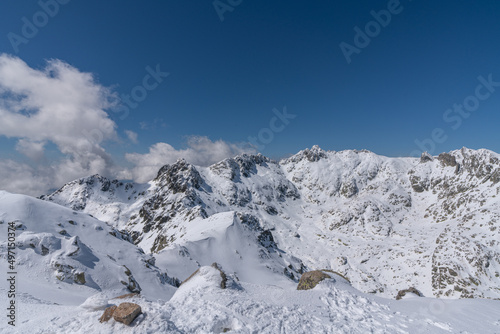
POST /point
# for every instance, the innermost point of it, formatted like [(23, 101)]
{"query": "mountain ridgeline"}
[(386, 224)]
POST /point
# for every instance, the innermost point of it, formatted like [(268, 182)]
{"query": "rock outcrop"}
[(310, 279)]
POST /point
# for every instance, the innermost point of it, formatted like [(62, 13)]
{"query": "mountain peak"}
[(313, 154)]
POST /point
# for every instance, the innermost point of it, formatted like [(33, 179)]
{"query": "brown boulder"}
[(127, 312), (310, 279), (108, 313)]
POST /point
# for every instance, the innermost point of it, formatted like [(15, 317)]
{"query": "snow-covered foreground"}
[(50, 298), (200, 306)]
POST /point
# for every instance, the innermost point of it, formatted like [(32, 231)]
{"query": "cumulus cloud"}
[(60, 106), (21, 178), (32, 149), (132, 136), (201, 151), (57, 104)]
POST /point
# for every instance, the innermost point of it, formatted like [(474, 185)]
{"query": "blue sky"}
[(226, 76)]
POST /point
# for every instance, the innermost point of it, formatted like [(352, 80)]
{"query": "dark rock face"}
[(179, 177), (223, 276), (418, 184), (447, 159), (131, 283), (175, 192), (240, 166), (264, 236), (426, 157), (248, 164)]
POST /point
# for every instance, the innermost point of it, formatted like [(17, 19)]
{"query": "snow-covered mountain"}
[(386, 224), (61, 251), (376, 226)]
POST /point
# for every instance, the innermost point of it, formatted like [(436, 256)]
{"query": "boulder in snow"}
[(310, 279), (412, 290), (126, 312)]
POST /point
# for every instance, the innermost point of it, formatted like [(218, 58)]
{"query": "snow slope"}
[(200, 306), (261, 297), (66, 256)]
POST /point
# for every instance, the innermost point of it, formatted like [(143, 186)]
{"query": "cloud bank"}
[(201, 151), (57, 104)]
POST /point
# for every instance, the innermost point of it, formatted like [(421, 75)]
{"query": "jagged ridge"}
[(385, 223)]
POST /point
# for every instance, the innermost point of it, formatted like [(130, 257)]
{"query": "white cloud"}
[(132, 136), (21, 178), (32, 149), (201, 151), (57, 104)]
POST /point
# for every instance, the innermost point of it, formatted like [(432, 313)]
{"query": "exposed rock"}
[(223, 283), (402, 293), (44, 251), (79, 278), (179, 177), (128, 295), (314, 154), (66, 272), (223, 276), (108, 313), (126, 312), (418, 184), (447, 159), (426, 157), (160, 243), (347, 195), (349, 188), (310, 279), (266, 240), (191, 276), (248, 163), (132, 284)]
